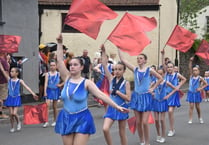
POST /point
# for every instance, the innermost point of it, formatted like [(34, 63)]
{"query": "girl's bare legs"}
[(122, 132), (11, 117), (163, 126), (48, 106), (75, 139), (157, 123), (55, 109), (106, 130), (145, 117), (139, 125), (197, 105), (191, 108), (171, 117)]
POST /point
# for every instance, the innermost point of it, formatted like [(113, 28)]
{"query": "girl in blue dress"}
[(13, 101), (141, 99), (120, 94), (206, 89), (196, 84), (177, 80), (102, 82), (75, 123), (160, 107), (52, 89)]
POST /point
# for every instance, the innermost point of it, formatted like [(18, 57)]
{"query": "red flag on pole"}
[(129, 35), (88, 15), (132, 124), (35, 114), (9, 43), (181, 39), (203, 51)]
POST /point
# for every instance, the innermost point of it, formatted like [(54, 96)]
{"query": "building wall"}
[(76, 42), (21, 18)]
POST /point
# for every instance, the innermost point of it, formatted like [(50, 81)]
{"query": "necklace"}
[(70, 96)]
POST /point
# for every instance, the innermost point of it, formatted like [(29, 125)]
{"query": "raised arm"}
[(163, 60), (190, 65), (104, 64), (60, 63), (130, 66), (5, 73)]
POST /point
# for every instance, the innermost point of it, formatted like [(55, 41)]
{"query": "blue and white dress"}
[(75, 116), (207, 80), (14, 98), (141, 99), (159, 104), (53, 91), (173, 100), (113, 113), (194, 96)]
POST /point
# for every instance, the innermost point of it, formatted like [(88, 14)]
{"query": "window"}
[(207, 24), (66, 28)]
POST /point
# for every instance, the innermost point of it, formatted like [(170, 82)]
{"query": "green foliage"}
[(188, 12)]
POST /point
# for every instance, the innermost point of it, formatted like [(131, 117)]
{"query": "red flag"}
[(88, 15), (132, 124), (35, 114), (203, 51), (9, 43), (129, 35), (151, 120), (181, 39)]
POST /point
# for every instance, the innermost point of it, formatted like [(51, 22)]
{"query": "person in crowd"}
[(141, 99), (196, 85), (160, 107), (75, 123), (3, 83), (52, 89), (120, 94), (87, 66), (69, 56), (206, 89), (43, 68), (177, 80), (64, 52), (13, 100)]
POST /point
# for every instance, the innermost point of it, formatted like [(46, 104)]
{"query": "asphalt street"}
[(186, 134)]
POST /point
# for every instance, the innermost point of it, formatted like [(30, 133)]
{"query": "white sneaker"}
[(171, 133), (201, 121), (190, 122), (53, 124), (19, 126), (142, 143), (12, 130), (162, 140), (158, 138), (45, 124)]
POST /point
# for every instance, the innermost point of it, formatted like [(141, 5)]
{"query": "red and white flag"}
[(87, 16)]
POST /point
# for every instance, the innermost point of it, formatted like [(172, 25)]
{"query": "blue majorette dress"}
[(14, 98), (207, 80), (75, 116), (194, 96), (159, 104), (53, 92), (141, 99), (173, 100), (113, 113)]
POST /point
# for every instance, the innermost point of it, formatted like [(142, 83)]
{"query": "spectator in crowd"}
[(3, 83), (87, 66)]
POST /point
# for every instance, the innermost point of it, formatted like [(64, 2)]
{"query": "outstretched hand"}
[(122, 109), (59, 38)]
